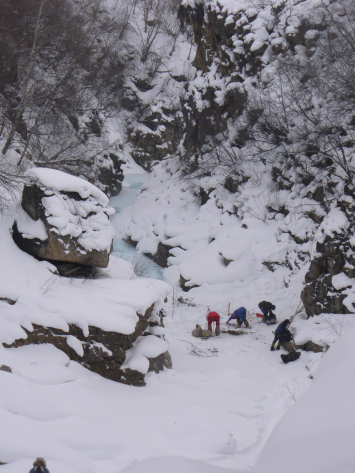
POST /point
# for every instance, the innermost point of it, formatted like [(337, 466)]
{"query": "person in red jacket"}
[(213, 317)]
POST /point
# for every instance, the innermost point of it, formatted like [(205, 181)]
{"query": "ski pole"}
[(293, 317)]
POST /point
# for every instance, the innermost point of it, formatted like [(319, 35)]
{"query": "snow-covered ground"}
[(229, 403), (217, 406)]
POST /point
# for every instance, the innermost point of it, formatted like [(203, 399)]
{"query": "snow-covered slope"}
[(317, 433), (210, 245), (218, 404)]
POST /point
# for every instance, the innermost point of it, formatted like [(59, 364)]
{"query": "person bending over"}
[(241, 316), (282, 336), (213, 317), (267, 310)]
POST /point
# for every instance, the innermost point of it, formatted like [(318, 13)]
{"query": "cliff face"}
[(252, 119), (233, 47), (233, 51)]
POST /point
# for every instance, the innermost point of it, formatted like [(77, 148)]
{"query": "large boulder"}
[(66, 219)]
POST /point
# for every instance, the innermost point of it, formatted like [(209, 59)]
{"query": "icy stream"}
[(121, 248)]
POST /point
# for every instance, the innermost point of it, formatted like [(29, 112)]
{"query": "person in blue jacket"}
[(282, 335), (241, 316), (39, 466)]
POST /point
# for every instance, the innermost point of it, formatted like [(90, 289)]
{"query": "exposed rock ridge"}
[(101, 352)]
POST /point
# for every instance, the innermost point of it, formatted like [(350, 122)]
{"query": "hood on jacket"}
[(40, 459)]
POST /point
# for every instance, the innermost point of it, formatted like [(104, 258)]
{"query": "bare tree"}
[(64, 88)]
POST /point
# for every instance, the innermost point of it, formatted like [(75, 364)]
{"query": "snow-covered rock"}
[(70, 219)]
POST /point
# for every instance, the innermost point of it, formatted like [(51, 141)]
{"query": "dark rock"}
[(162, 255), (226, 261), (153, 145), (318, 295), (73, 270), (232, 184), (62, 249), (104, 352), (143, 84), (183, 284), (5, 368), (160, 362), (9, 301), (311, 346), (132, 378), (130, 101), (179, 78), (204, 197), (270, 265), (111, 177)]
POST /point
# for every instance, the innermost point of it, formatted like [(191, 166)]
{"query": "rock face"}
[(68, 222), (110, 175), (160, 257), (154, 132), (101, 352), (237, 46), (160, 362), (159, 136), (319, 295), (311, 346)]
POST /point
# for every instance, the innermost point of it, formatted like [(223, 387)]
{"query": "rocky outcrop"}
[(157, 136), (160, 256), (232, 49), (160, 362), (184, 284), (154, 131), (110, 175), (311, 346), (319, 295), (329, 282), (62, 225), (100, 351)]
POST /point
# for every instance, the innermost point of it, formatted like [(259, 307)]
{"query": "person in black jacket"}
[(267, 310), (282, 335), (39, 466)]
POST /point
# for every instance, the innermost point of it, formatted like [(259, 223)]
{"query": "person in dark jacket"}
[(39, 466), (267, 310), (213, 317), (241, 316), (282, 335)]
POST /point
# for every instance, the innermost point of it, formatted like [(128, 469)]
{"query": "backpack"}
[(290, 357)]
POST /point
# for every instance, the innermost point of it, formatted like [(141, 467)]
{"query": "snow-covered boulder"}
[(66, 219), (106, 352)]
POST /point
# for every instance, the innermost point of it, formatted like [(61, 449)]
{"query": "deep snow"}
[(228, 403), (219, 404)]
